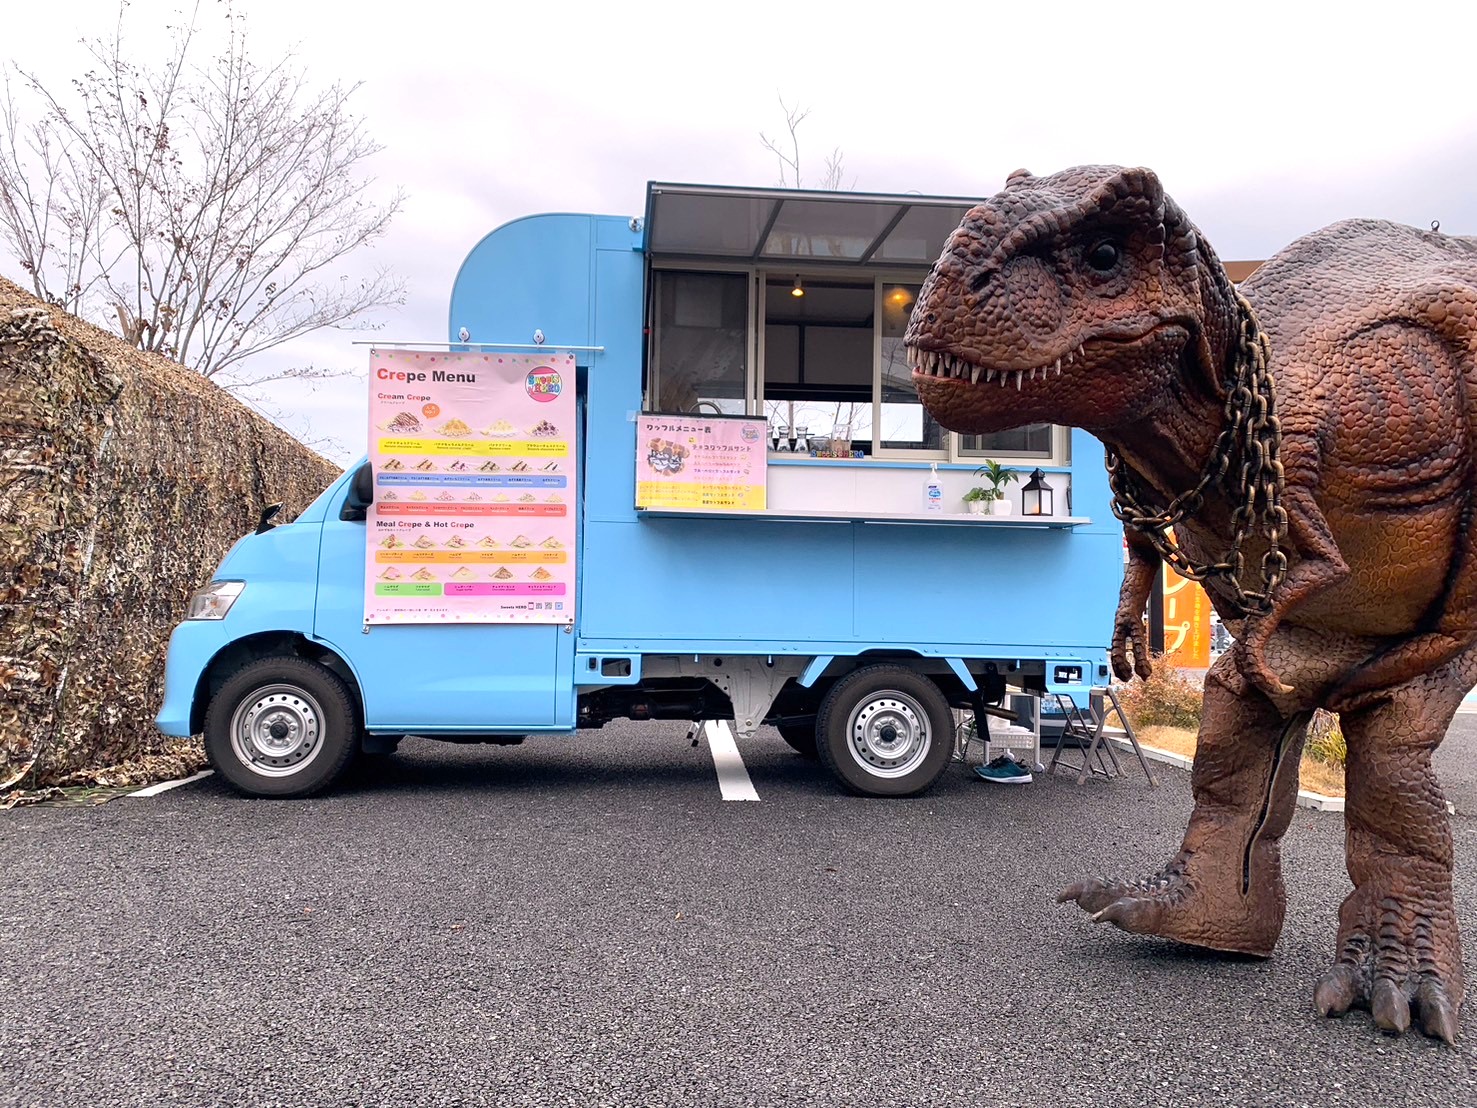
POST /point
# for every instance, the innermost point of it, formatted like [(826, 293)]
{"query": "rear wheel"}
[(885, 730), (282, 727), (801, 736)]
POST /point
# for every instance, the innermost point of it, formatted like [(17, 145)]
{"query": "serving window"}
[(819, 355)]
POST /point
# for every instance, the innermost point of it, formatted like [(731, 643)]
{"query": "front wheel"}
[(282, 727), (885, 730)]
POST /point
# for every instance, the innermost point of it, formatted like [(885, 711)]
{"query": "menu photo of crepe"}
[(500, 498), (425, 542), (425, 465), (392, 542), (541, 574), (551, 543), (456, 542), (419, 494), (444, 495), (463, 574), (519, 467), (391, 495), (487, 542), (502, 429), (553, 498), (474, 497), (551, 467), (455, 429), (489, 466), (403, 424), (543, 429), (390, 574), (503, 574), (423, 574), (521, 542), (393, 464), (458, 466), (527, 498)]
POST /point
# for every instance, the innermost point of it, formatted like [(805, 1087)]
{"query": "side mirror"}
[(361, 494)]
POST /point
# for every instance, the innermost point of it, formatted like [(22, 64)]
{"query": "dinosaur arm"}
[(1319, 566), (1128, 625)]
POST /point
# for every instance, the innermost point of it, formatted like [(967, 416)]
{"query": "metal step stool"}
[(1093, 732)]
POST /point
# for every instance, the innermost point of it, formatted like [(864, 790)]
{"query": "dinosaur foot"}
[(1401, 962), (1172, 904)]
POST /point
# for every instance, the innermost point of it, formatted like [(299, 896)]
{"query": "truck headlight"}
[(214, 600)]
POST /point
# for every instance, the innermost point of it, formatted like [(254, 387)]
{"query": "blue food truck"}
[(866, 602)]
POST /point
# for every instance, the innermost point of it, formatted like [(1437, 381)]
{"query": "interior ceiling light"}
[(797, 290)]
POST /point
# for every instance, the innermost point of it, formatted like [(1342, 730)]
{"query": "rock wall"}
[(124, 478)]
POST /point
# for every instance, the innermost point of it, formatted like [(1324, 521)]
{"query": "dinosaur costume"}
[(1310, 440)]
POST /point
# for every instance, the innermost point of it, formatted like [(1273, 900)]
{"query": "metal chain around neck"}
[(1251, 438)]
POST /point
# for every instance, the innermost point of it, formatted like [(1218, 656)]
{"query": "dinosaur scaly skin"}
[(1088, 298)]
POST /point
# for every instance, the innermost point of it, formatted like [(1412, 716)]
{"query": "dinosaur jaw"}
[(1103, 381)]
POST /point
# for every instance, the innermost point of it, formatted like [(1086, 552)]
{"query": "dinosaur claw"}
[(1078, 890), (1336, 991), (1132, 913), (1390, 1009), (1438, 1016)]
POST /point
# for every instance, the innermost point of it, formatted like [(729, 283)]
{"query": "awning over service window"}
[(757, 226)]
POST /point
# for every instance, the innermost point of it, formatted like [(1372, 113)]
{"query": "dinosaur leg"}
[(1399, 952), (1224, 889)]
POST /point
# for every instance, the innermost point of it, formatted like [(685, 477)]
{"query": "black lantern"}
[(1036, 496)]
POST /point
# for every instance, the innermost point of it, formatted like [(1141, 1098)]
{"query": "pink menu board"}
[(474, 487), (692, 463)]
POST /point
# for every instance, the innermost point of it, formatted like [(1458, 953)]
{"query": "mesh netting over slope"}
[(124, 478)]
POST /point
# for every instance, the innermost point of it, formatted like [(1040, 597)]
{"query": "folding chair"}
[(1096, 737)]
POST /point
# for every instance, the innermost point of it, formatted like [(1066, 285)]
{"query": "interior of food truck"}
[(791, 306)]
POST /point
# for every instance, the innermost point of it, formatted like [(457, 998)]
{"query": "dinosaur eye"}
[(1103, 257)]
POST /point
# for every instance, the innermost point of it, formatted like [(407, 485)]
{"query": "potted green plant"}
[(991, 500)]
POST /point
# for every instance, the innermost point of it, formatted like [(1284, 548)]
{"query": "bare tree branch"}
[(202, 210)]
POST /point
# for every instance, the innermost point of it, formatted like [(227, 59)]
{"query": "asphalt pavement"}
[(585, 921)]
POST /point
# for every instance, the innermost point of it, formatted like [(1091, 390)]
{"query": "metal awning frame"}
[(904, 203)]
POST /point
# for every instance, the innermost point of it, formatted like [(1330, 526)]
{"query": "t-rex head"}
[(1072, 299)]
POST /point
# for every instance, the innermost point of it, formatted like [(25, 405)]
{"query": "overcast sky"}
[(1264, 120)]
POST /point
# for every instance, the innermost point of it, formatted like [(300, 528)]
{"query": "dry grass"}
[(1315, 776)]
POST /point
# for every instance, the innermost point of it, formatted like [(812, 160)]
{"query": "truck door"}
[(429, 678)]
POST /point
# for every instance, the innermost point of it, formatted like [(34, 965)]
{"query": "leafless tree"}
[(201, 210), (789, 153)]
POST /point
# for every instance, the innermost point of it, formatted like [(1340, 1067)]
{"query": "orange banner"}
[(1186, 621)]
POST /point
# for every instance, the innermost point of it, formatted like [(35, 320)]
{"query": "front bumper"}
[(192, 646)]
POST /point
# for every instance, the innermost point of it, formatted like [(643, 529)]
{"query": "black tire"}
[(801, 737), (853, 727), (296, 728)]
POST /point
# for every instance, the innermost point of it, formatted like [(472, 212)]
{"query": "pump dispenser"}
[(933, 490)]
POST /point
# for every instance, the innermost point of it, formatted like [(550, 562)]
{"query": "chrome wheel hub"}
[(277, 730), (888, 734)]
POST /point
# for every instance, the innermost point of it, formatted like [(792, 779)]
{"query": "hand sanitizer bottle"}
[(933, 491)]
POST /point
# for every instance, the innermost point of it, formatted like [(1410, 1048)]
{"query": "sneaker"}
[(1004, 771)]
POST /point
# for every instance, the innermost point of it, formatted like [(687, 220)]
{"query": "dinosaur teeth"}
[(1058, 367), (1018, 380), (974, 375)]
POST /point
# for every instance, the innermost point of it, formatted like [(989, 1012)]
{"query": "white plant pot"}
[(976, 507), (1003, 507)]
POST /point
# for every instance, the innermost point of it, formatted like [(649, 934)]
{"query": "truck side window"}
[(699, 346)]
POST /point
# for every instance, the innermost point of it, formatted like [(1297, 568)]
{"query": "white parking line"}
[(733, 778), (165, 786)]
